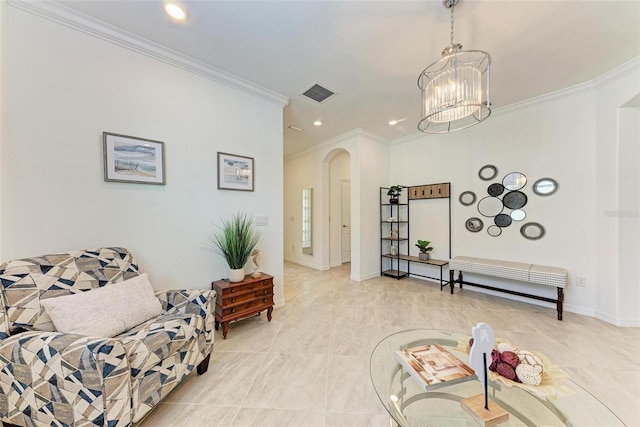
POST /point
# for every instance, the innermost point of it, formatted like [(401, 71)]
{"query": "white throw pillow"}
[(105, 312)]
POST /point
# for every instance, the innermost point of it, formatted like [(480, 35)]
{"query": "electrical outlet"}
[(581, 281)]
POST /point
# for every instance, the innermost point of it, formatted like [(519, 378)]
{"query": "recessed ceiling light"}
[(317, 123), (396, 121), (176, 10)]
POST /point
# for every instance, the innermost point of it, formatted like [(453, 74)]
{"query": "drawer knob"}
[(266, 291), (233, 300), (233, 290), (233, 310), (264, 300)]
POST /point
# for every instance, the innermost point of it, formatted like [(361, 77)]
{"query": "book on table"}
[(433, 366)]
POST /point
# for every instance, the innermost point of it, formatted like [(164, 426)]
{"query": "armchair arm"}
[(52, 378), (191, 301)]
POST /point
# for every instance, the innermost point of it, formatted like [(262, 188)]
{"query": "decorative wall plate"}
[(474, 224), (514, 181), (532, 231), (545, 186), (502, 220), (490, 206), (494, 231), (467, 198), (488, 172), (495, 189), (514, 199)]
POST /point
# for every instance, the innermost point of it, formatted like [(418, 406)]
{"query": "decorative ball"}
[(503, 346), (495, 359), (528, 358), (528, 374), (506, 371), (510, 358)]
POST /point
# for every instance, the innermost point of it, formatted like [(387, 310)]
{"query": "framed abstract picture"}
[(235, 172), (133, 159)]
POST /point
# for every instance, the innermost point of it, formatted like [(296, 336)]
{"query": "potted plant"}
[(394, 194), (424, 247), (236, 241)]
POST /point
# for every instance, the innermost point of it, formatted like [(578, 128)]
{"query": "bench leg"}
[(560, 301), (451, 282)]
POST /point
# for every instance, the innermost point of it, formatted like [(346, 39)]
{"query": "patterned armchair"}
[(58, 379)]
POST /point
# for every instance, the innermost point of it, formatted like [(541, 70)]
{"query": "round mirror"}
[(488, 172), (495, 189), (514, 181), (490, 206), (514, 199), (532, 231), (545, 186), (518, 215), (467, 198), (502, 220), (474, 224), (494, 231)]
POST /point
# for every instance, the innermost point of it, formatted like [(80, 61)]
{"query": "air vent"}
[(318, 93)]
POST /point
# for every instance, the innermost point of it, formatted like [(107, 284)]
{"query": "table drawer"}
[(238, 309), (245, 295)]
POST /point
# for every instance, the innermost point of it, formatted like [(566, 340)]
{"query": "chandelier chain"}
[(453, 6)]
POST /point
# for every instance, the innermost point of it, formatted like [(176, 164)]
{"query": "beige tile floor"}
[(310, 365)]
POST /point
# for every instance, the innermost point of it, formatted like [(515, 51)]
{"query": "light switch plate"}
[(262, 221)]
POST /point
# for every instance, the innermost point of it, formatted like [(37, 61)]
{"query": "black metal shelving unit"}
[(398, 264), (393, 264)]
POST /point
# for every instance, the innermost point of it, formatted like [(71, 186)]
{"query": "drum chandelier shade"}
[(455, 89)]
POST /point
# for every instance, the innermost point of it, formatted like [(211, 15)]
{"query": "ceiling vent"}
[(318, 93)]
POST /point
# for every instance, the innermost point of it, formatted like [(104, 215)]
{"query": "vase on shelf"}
[(394, 250), (423, 256)]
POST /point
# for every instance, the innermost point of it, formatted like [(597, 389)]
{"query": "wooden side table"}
[(236, 301)]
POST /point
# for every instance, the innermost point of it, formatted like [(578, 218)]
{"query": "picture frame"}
[(235, 172), (133, 160)]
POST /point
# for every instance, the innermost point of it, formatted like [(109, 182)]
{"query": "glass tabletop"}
[(409, 405)]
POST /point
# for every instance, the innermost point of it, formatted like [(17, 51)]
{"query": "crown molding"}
[(337, 139), (61, 14), (617, 73)]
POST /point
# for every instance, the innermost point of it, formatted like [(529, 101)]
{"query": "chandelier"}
[(455, 89)]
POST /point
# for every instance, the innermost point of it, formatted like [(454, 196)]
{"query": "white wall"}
[(66, 88), (369, 167), (4, 111), (615, 164)]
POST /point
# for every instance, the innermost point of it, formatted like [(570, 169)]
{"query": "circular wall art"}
[(545, 186), (502, 220), (518, 215), (488, 172), (490, 206), (532, 231), (474, 224), (467, 198), (514, 199), (495, 189), (514, 181), (494, 231)]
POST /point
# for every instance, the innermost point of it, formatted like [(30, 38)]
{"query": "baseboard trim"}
[(306, 264)]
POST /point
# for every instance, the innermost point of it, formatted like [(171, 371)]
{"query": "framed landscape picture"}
[(235, 172), (132, 159)]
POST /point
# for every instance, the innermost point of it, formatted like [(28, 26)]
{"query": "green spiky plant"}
[(236, 240)]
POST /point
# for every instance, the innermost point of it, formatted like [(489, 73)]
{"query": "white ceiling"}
[(371, 52)]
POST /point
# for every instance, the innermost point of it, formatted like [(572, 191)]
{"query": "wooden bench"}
[(530, 273)]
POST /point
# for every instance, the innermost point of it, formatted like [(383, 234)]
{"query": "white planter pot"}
[(236, 275), (423, 256)]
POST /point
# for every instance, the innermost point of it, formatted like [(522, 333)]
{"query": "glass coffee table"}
[(409, 405)]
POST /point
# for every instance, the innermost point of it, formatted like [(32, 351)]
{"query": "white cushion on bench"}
[(539, 274), (546, 275)]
